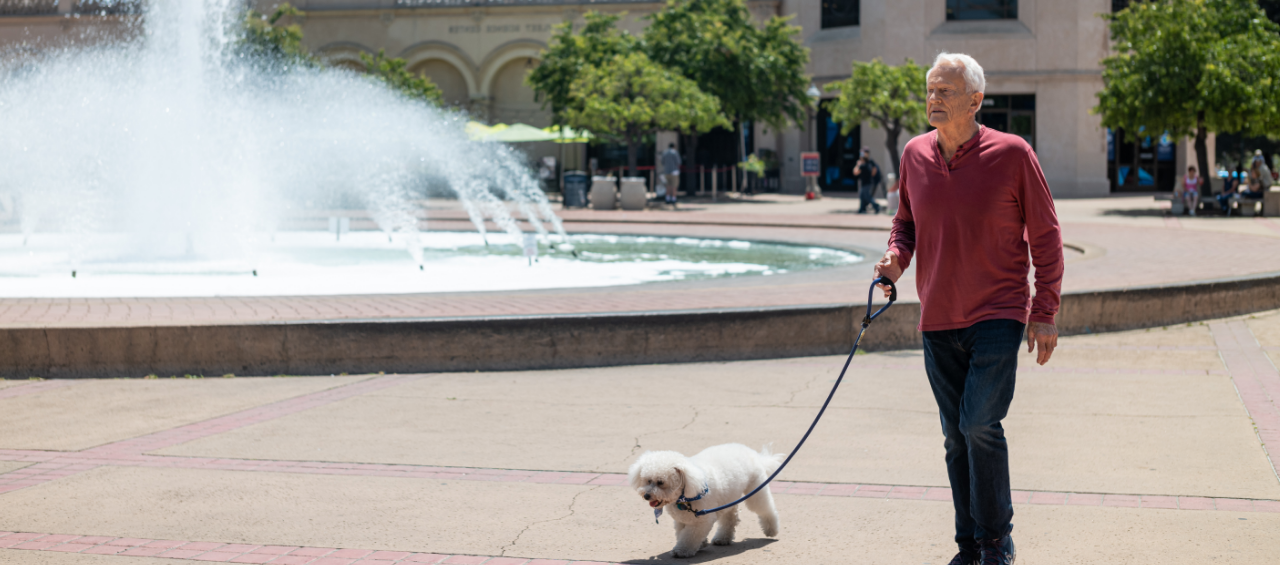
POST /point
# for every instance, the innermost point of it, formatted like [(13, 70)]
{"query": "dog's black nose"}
[(647, 497)]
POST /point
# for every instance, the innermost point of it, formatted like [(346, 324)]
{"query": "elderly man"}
[(973, 202)]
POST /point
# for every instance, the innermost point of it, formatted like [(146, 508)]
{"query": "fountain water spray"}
[(174, 141)]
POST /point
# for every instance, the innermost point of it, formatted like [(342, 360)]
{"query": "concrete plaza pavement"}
[(1143, 446)]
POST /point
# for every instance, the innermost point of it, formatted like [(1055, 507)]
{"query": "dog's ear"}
[(692, 476), (634, 472)]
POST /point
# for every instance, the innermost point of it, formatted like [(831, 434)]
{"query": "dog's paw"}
[(722, 541), (769, 525), (680, 552)]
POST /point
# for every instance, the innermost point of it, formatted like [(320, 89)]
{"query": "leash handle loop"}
[(839, 378), (893, 297)]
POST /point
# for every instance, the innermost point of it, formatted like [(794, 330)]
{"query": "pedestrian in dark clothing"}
[(866, 171), (671, 162)]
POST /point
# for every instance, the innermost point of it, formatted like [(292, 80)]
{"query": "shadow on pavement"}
[(1138, 212), (707, 554)]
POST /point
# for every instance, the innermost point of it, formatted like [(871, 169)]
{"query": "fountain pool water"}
[(165, 164), (312, 263)]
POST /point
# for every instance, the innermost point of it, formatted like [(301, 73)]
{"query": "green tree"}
[(758, 73), (392, 72), (889, 97), (265, 39), (569, 54), (1192, 66), (630, 97)]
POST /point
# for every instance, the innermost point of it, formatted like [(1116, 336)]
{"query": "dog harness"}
[(683, 503)]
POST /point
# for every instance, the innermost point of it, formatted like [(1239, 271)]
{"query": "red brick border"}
[(1256, 379)]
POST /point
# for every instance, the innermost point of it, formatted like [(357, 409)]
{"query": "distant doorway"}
[(1141, 163), (837, 153)]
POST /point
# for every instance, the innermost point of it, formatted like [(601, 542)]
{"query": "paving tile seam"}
[(182, 550), (56, 468), (56, 465), (34, 387)]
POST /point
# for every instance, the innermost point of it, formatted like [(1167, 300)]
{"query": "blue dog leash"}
[(867, 319)]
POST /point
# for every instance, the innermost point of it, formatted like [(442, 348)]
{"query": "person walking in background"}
[(974, 207), (866, 171), (1191, 195), (671, 162)]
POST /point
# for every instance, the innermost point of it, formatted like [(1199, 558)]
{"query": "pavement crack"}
[(637, 441), (807, 386), (572, 502)]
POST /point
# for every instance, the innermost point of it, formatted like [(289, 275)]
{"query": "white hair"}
[(974, 81)]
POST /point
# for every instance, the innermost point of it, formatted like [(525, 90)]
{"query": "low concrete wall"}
[(550, 342)]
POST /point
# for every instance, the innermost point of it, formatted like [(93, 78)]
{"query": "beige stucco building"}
[(1041, 59)]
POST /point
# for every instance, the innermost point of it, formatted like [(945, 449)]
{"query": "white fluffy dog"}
[(718, 475)]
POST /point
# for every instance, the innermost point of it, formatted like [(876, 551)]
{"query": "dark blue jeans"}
[(865, 197), (971, 371)]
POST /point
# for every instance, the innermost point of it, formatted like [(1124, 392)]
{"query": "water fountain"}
[(169, 154)]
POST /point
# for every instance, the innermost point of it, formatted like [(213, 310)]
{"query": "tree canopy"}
[(757, 73), (569, 54), (630, 96), (267, 40), (393, 73), (889, 97), (1192, 66)]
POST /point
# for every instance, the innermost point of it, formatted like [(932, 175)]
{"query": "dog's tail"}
[(770, 461)]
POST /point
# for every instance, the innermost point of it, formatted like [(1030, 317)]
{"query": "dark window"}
[(1014, 114), (837, 153), (982, 9), (839, 13), (28, 7)]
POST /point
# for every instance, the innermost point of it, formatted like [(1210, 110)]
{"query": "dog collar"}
[(682, 503)]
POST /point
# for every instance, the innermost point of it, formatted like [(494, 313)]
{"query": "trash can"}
[(632, 194), (604, 194), (575, 189)]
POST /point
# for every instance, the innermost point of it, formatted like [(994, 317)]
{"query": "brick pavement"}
[(1243, 359)]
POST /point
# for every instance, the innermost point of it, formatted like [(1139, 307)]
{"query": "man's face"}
[(947, 103)]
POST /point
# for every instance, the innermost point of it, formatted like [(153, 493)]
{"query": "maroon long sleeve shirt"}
[(970, 223)]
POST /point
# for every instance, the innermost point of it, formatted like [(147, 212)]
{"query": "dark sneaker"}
[(996, 551), (969, 554)]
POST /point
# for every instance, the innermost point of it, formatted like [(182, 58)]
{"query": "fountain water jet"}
[(178, 143)]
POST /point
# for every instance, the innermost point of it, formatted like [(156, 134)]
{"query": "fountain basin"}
[(319, 263)]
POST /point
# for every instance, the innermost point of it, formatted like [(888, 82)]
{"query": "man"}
[(973, 202), (672, 172), (866, 171)]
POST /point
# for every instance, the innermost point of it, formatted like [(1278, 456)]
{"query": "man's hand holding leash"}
[(1041, 337), (889, 268)]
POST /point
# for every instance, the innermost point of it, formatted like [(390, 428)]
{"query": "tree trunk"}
[(631, 154), (891, 143), (1202, 157)]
